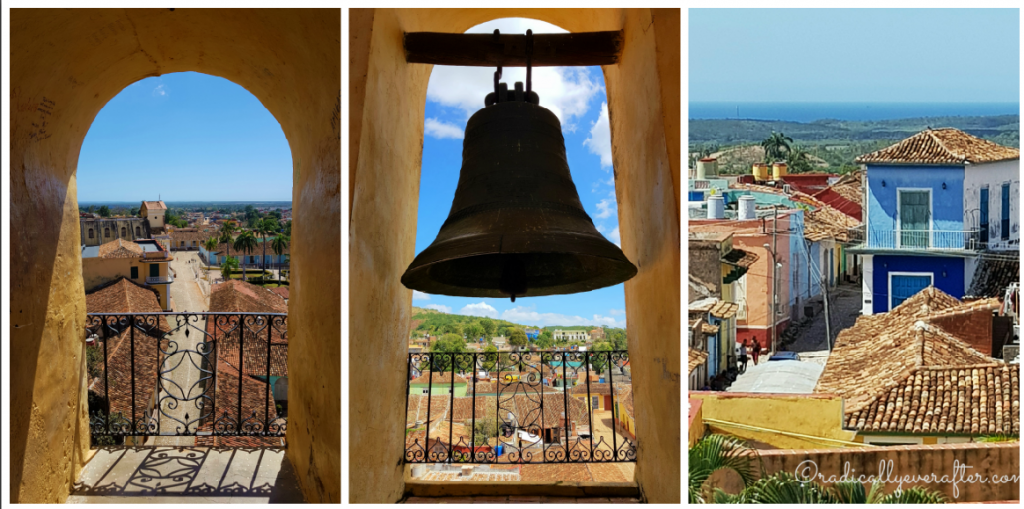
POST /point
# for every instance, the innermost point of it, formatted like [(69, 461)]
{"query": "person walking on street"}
[(744, 347), (755, 351)]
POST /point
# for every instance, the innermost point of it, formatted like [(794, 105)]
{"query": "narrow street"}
[(810, 341), (186, 296)]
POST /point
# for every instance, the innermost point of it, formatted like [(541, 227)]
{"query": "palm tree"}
[(798, 160), (228, 266), (718, 452), (226, 236), (265, 226), (245, 243), (210, 244), (774, 145), (278, 245)]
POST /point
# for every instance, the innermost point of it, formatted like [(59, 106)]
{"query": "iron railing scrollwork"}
[(187, 374), (518, 407)]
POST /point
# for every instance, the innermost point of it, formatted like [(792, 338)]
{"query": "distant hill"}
[(425, 319), (1003, 129), (832, 144)]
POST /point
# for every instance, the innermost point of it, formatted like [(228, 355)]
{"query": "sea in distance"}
[(809, 112)]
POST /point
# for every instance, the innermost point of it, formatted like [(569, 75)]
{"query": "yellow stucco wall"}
[(386, 135), (65, 66), (812, 415)]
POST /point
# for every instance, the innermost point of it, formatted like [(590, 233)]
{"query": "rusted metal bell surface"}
[(516, 227)]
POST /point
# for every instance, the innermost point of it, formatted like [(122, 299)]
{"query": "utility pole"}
[(775, 279)]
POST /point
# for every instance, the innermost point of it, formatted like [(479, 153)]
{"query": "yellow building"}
[(144, 262), (624, 414), (153, 211)]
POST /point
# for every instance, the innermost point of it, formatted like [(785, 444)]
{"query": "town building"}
[(254, 360), (937, 203), (560, 335), (97, 230), (144, 262), (923, 373), (126, 365), (597, 334), (154, 212), (188, 239)]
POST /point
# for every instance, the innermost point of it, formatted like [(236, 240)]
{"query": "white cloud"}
[(600, 140), (479, 309), (439, 129), (418, 295), (524, 314), (613, 235), (439, 307), (566, 91), (606, 208), (159, 90)]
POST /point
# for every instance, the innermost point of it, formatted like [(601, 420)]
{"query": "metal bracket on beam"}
[(510, 50)]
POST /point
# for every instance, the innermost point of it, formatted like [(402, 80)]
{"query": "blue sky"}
[(185, 136), (577, 97), (854, 55)]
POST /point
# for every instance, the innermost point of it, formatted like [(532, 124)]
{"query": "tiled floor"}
[(518, 500), (172, 475)]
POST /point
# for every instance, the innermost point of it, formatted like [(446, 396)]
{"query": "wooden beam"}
[(509, 50)]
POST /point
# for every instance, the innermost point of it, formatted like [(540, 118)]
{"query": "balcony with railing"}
[(188, 379), (154, 280), (917, 240), (486, 416)]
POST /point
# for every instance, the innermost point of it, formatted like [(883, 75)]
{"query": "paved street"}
[(186, 295), (844, 310)]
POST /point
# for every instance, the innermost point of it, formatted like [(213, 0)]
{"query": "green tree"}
[(544, 341), (278, 244), (474, 331), (799, 161), (518, 337), (229, 265), (134, 212), (105, 211), (776, 146), (489, 326), (617, 337), (245, 243), (264, 227), (210, 244), (599, 359), (226, 236), (485, 429), (490, 358)]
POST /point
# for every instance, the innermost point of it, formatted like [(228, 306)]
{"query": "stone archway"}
[(65, 65), (385, 142)]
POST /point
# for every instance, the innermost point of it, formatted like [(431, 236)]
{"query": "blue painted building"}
[(934, 203)]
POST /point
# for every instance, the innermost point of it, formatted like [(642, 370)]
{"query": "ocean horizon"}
[(811, 111)]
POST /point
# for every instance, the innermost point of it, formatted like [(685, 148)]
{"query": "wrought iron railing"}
[(187, 374), (519, 407)]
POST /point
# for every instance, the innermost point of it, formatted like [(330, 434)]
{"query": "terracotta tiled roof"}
[(119, 372), (283, 292), (994, 275), (257, 402), (827, 222), (241, 297), (707, 328), (697, 357), (120, 248), (740, 257), (717, 308), (981, 399), (155, 205), (122, 295), (880, 350), (851, 187), (941, 146), (237, 296)]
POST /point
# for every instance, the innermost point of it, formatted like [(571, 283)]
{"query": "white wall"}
[(994, 175), (868, 285)]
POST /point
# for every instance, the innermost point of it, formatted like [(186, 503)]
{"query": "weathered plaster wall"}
[(812, 415), (66, 64), (384, 195), (991, 461)]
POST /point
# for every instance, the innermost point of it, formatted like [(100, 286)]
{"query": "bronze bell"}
[(516, 227)]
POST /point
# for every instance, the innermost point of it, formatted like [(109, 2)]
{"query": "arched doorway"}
[(290, 60), (385, 138)]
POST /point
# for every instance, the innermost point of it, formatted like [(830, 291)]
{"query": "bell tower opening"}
[(518, 323)]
